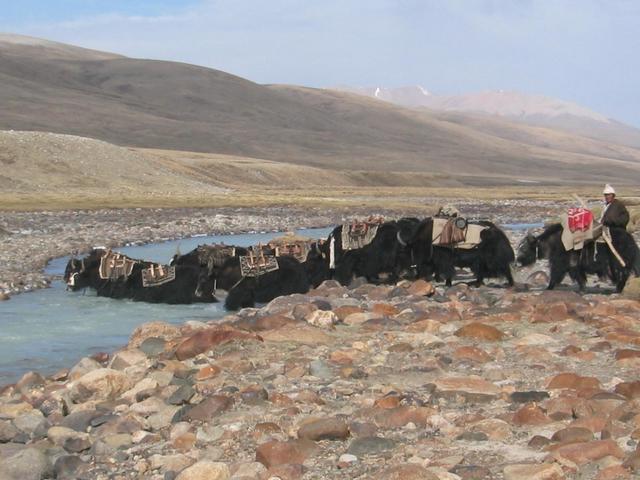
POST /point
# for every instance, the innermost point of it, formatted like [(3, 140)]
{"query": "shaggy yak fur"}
[(246, 291), (491, 258), (388, 255), (593, 258), (191, 285)]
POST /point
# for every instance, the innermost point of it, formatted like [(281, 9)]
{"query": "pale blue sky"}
[(586, 51)]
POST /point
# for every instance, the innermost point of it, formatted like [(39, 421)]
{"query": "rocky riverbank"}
[(387, 382), (28, 240)]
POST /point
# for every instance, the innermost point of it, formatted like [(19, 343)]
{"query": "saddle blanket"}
[(359, 234), (157, 275), (298, 250), (574, 239), (256, 265), (445, 233), (114, 265)]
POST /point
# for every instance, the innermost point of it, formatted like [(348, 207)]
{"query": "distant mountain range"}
[(52, 87), (536, 110)]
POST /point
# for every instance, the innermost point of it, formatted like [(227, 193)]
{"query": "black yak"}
[(594, 258)]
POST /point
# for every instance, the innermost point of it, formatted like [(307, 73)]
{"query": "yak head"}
[(77, 273), (527, 250), (205, 284)]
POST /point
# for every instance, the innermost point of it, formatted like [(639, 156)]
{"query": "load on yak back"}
[(580, 246)]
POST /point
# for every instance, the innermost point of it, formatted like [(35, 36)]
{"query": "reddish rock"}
[(207, 372), (275, 452), (550, 312), (572, 381), (401, 416), (421, 288), (625, 353), (480, 331), (324, 429), (209, 408), (385, 309), (581, 453), (388, 401), (594, 424), (184, 442), (204, 340), (474, 354), (530, 414), (573, 435), (270, 322), (629, 389), (344, 357)]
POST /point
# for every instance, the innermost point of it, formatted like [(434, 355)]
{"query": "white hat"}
[(608, 189)]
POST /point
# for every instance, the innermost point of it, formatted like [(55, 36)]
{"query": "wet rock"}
[(204, 340), (324, 429), (543, 471), (370, 446), (275, 452), (480, 331)]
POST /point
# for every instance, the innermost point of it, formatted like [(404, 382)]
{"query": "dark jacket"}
[(616, 215)]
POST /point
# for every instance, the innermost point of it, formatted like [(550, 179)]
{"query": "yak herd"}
[(380, 251)]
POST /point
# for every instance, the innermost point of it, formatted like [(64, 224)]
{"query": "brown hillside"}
[(175, 106)]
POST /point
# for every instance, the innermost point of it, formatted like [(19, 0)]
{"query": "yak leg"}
[(556, 275)]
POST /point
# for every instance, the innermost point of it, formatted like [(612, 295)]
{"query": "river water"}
[(52, 328)]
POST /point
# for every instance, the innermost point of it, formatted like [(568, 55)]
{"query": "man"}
[(614, 213)]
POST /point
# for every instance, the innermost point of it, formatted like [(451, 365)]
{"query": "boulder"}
[(205, 470), (100, 384), (275, 452), (28, 464), (480, 331), (204, 340), (324, 429)]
